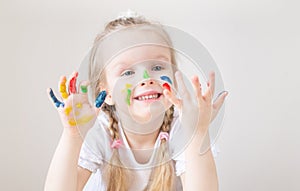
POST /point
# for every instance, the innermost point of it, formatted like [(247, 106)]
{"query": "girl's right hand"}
[(75, 111)]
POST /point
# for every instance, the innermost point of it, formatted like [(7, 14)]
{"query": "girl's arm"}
[(77, 116), (201, 174), (64, 173)]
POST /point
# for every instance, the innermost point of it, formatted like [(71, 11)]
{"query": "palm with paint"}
[(76, 113)]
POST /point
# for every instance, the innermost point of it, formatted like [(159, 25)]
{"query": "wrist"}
[(200, 141), (71, 134)]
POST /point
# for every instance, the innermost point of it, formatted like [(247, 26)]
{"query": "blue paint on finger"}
[(55, 100), (100, 99), (166, 78)]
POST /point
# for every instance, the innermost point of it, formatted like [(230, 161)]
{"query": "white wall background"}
[(256, 44)]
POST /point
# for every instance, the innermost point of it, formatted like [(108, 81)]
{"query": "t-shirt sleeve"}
[(180, 164), (88, 159), (92, 150)]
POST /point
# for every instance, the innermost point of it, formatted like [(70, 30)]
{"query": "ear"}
[(108, 98)]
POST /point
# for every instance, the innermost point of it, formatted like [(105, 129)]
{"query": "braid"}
[(165, 127), (162, 176), (113, 121), (115, 174)]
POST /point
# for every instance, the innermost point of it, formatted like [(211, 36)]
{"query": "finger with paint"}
[(63, 88), (72, 84), (100, 99), (166, 85), (54, 99)]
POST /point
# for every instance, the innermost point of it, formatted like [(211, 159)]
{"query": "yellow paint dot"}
[(64, 95), (79, 105), (68, 110), (128, 86), (72, 122)]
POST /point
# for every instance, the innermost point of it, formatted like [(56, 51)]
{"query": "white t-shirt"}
[(96, 150)]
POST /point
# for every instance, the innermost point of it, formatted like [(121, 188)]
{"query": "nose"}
[(148, 83)]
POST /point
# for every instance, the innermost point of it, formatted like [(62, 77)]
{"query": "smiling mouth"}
[(148, 97)]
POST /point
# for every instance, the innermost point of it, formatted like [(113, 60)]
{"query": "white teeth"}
[(142, 98)]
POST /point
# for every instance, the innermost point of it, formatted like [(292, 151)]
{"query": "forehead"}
[(132, 42), (139, 54)]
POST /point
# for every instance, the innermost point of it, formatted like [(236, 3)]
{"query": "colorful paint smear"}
[(68, 110), (166, 78), (55, 100), (146, 75), (100, 99), (72, 84), (167, 86), (80, 121), (63, 88), (83, 89), (128, 96)]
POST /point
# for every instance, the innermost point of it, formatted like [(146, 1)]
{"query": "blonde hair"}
[(116, 175)]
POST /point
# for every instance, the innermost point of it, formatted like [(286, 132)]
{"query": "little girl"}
[(131, 135)]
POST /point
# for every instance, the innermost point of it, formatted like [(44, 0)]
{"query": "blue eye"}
[(157, 68), (127, 73)]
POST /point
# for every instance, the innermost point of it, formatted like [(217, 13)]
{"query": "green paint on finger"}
[(83, 89)]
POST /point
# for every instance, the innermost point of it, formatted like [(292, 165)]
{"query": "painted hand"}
[(76, 113), (196, 115)]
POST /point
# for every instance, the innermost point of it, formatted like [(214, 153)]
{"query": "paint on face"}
[(100, 99), (81, 121), (72, 84), (166, 78), (128, 92), (63, 89), (167, 86), (146, 75), (55, 100), (128, 96)]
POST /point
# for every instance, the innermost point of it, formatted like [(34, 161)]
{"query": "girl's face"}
[(136, 79)]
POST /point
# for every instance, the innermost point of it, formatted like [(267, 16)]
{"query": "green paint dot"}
[(83, 89), (146, 75), (128, 96)]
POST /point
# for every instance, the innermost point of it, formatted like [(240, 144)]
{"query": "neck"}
[(141, 141)]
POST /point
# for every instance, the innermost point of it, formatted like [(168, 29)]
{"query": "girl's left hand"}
[(201, 113)]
